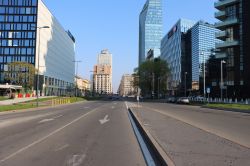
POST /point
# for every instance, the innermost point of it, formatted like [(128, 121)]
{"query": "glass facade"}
[(203, 42), (172, 50), (18, 19), (150, 29)]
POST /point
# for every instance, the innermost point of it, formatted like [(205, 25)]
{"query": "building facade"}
[(150, 29), (83, 85), (202, 48), (126, 87), (233, 16), (51, 50), (173, 51), (102, 79), (102, 74)]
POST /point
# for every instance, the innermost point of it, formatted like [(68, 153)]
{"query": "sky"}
[(114, 25)]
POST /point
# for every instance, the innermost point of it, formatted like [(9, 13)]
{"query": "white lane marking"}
[(126, 105), (104, 120), (51, 119), (14, 121), (86, 107), (76, 160), (115, 103), (61, 148), (56, 117), (113, 107), (45, 120), (47, 136)]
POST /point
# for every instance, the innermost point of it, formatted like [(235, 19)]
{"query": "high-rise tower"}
[(150, 29)]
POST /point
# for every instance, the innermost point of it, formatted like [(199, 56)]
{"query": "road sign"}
[(208, 90)]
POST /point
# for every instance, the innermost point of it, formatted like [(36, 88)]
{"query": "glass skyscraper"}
[(173, 51), (203, 42), (150, 29), (52, 53), (18, 19)]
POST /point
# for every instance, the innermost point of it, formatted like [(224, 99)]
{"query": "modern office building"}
[(202, 47), (126, 87), (150, 29), (102, 74), (30, 33), (233, 16), (174, 52)]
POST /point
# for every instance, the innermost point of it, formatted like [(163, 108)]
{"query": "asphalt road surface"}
[(192, 135), (83, 134)]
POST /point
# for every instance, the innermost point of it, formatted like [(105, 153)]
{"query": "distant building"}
[(126, 87), (234, 25), (150, 29), (102, 74), (83, 85), (53, 54), (173, 51), (105, 58)]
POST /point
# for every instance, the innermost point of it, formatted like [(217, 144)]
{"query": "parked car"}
[(183, 100), (199, 98), (171, 100)]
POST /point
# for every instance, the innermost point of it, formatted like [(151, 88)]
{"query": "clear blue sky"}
[(113, 24)]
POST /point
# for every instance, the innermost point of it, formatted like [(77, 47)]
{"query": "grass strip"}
[(230, 106), (32, 103)]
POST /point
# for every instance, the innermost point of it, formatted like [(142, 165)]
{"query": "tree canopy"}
[(151, 77), (20, 73)]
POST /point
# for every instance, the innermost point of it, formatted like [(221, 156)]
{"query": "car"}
[(199, 98), (171, 100), (183, 100)]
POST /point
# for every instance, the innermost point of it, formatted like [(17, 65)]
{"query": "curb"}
[(159, 153)]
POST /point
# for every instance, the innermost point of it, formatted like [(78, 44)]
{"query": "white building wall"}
[(57, 49)]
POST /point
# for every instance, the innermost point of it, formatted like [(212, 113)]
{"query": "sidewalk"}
[(20, 100), (188, 145)]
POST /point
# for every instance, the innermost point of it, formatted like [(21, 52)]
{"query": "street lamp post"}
[(159, 79), (185, 84), (221, 79), (38, 62), (93, 82), (76, 72)]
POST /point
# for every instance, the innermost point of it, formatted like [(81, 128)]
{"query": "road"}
[(89, 133), (192, 135)]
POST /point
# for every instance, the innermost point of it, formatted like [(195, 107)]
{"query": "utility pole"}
[(38, 63), (76, 73), (221, 79), (185, 84)]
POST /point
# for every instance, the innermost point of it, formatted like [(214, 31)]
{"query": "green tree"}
[(20, 73), (152, 76)]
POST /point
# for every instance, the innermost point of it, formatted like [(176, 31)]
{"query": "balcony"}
[(224, 24), (221, 15), (227, 44), (221, 35), (222, 3)]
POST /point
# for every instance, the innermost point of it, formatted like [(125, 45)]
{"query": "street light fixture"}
[(38, 62), (186, 84), (221, 79), (76, 73), (204, 75)]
